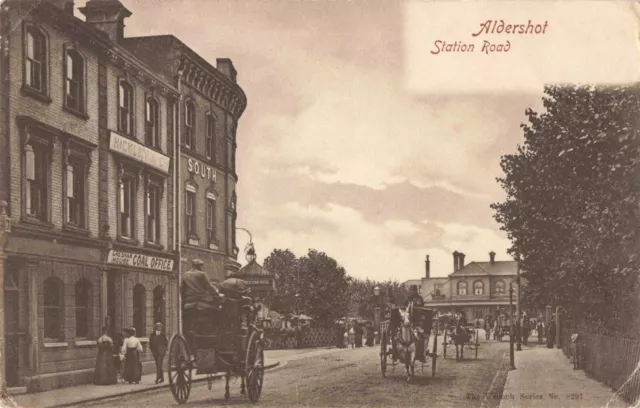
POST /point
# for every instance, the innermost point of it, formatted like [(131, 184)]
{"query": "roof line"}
[(480, 266)]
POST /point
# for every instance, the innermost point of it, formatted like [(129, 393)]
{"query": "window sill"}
[(85, 343), (75, 229), (153, 245), (214, 245), (75, 112), (35, 94), (126, 240), (54, 345), (127, 135), (37, 222)]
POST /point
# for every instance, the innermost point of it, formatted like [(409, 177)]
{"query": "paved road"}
[(350, 378)]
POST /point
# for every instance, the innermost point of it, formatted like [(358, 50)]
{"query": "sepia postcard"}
[(320, 203)]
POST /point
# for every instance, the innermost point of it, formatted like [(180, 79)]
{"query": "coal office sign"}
[(139, 261)]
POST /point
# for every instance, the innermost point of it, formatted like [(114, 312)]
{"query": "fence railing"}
[(610, 360)]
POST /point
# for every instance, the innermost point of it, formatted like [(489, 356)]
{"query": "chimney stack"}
[(427, 265), (455, 261), (66, 5), (492, 257), (225, 66), (460, 260), (107, 16)]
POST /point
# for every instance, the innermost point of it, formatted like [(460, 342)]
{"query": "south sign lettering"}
[(206, 172)]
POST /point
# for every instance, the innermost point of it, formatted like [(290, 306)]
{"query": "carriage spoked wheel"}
[(254, 366), (179, 368), (384, 342), (435, 354)]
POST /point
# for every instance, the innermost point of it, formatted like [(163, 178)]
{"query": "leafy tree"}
[(571, 210)]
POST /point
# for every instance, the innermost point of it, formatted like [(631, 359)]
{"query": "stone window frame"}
[(212, 233), (190, 104), (82, 111), (42, 94), (151, 97), (33, 136), (461, 288), (78, 153), (192, 238), (88, 306), (60, 307), (155, 181), (127, 171), (481, 287), (210, 137), (139, 301), (123, 83), (504, 287)]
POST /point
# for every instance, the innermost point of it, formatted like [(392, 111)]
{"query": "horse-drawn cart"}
[(233, 344), (504, 327), (461, 337), (405, 338)]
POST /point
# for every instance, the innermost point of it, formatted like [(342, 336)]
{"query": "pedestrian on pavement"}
[(130, 354), (540, 329), (352, 336), (358, 333), (158, 345), (105, 373), (551, 333), (370, 335)]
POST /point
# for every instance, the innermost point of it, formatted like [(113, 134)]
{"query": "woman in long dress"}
[(105, 373), (130, 354)]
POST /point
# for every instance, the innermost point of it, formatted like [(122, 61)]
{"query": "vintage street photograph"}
[(320, 203)]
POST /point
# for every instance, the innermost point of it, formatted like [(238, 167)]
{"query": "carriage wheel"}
[(444, 345), (254, 367), (477, 344), (383, 353), (435, 355), (179, 368)]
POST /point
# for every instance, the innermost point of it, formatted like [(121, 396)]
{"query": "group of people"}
[(128, 357), (352, 335)]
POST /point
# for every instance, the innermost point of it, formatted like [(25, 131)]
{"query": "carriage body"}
[(225, 340)]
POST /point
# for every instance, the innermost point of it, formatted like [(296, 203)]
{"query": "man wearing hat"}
[(199, 298), (158, 345)]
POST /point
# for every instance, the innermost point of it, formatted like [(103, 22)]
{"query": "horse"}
[(459, 335), (406, 339)]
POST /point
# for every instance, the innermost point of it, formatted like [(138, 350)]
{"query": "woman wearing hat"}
[(105, 373), (130, 353)]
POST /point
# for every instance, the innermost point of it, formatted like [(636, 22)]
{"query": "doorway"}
[(12, 328)]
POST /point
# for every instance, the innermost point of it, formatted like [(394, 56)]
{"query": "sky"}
[(340, 148)]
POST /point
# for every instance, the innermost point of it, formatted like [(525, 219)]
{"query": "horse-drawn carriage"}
[(459, 336), (406, 338), (503, 328), (226, 340)]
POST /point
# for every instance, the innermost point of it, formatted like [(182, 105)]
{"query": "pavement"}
[(545, 378), (86, 393)]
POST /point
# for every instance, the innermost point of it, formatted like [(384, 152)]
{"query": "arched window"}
[(500, 287), (462, 288), (158, 305), (151, 123), (125, 108), (53, 308), (74, 81), (189, 124), (478, 288), (139, 310), (35, 60), (83, 308)]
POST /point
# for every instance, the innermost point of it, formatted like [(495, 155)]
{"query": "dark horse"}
[(459, 336)]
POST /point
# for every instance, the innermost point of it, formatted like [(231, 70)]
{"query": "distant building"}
[(476, 289)]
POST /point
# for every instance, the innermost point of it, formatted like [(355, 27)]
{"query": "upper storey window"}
[(151, 123), (189, 124), (35, 60), (211, 136), (125, 108), (74, 81)]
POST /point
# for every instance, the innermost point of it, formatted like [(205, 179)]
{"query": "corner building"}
[(86, 202), (211, 105)]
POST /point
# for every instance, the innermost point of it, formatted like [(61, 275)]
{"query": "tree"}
[(571, 210)]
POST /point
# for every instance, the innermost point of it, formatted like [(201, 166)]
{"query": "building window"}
[(231, 156), (35, 60), (211, 221), (125, 108), (153, 213), (500, 287), (478, 288), (74, 81), (139, 310), (83, 306), (462, 288), (53, 309), (127, 206), (477, 314), (37, 176), (189, 124), (151, 123), (190, 211), (158, 305), (75, 186), (211, 136)]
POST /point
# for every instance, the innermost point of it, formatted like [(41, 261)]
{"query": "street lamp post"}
[(511, 352), (518, 325), (376, 312)]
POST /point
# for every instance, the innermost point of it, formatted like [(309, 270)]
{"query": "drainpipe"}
[(178, 195)]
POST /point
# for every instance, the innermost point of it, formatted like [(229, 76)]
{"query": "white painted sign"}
[(204, 171), (139, 260), (139, 152)]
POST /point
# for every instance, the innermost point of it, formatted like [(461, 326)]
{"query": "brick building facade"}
[(87, 192)]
